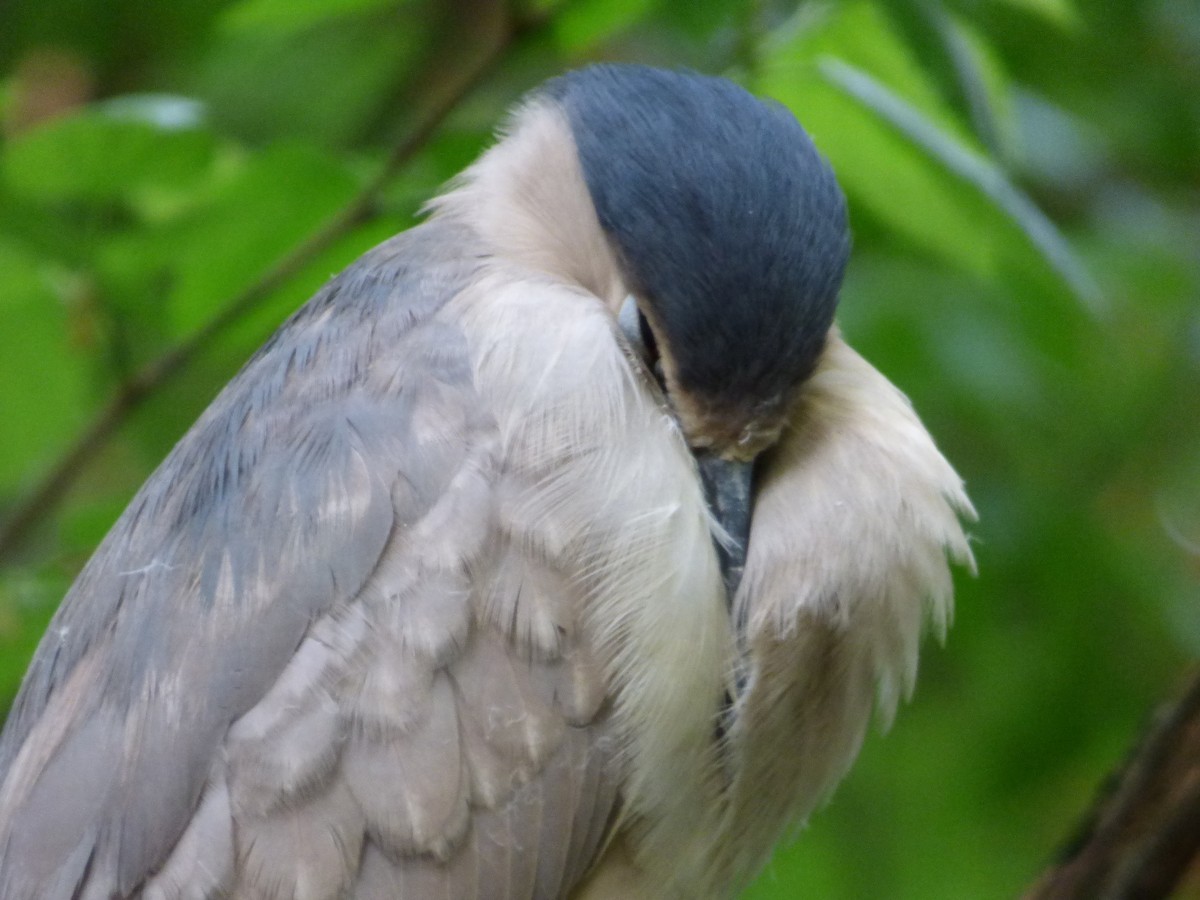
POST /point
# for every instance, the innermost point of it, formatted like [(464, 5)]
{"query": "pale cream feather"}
[(527, 198), (605, 477), (855, 516)]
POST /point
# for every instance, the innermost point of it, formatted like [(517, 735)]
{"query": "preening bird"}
[(558, 547)]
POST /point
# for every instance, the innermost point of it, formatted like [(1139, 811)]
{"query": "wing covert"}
[(272, 511)]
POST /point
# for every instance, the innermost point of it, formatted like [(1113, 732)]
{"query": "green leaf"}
[(329, 83), (885, 177), (1062, 13), (971, 167), (862, 34), (282, 196), (585, 23), (45, 389), (283, 16), (110, 152), (965, 67), (905, 158)]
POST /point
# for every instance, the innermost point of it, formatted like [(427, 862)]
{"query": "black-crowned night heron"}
[(434, 600)]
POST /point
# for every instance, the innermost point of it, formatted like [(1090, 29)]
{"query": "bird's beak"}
[(728, 485), (728, 489)]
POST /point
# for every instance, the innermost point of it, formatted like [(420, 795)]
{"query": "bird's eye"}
[(653, 359), (649, 341), (641, 337)]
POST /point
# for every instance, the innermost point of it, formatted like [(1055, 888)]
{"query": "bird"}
[(560, 546)]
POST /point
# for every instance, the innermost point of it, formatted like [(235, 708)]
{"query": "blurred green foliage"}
[(1024, 179)]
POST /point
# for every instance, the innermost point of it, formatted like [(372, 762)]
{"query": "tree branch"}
[(1143, 833), (42, 500)]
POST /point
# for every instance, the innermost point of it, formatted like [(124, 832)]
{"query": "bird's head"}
[(713, 210), (731, 233)]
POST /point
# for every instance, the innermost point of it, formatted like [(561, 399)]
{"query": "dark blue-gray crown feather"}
[(728, 221)]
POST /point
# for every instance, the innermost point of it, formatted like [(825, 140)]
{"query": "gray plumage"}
[(427, 604)]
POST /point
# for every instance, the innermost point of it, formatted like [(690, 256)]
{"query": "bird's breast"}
[(597, 493)]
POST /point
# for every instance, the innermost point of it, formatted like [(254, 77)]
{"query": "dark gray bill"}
[(728, 490)]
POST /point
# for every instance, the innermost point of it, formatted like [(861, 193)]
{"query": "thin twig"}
[(44, 497), (1143, 833)]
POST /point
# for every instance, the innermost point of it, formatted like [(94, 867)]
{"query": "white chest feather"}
[(596, 478)]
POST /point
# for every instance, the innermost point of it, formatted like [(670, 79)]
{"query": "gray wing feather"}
[(277, 676)]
